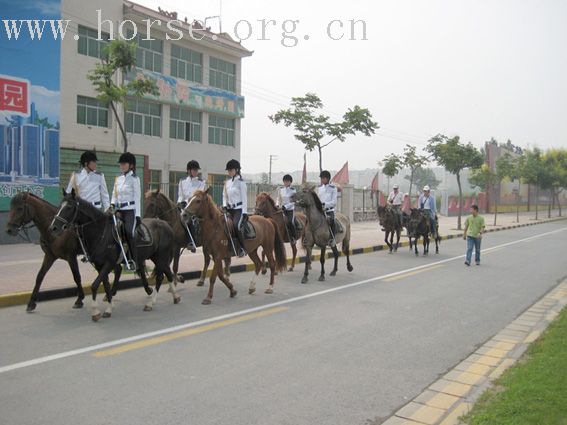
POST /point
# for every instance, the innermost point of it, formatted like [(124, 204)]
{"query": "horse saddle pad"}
[(143, 234), (338, 226), (298, 225), (248, 229)]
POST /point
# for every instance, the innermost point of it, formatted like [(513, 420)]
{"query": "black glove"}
[(138, 221), (224, 210), (111, 209)]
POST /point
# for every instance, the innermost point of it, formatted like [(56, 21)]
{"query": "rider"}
[(328, 195), (395, 200), (426, 203), (234, 200), (126, 198), (89, 184), (187, 188), (288, 206)]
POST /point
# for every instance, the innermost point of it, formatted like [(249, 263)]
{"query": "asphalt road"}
[(350, 350)]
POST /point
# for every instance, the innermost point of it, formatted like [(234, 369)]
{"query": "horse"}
[(26, 208), (157, 205), (388, 219), (266, 207), (418, 226), (317, 232), (217, 242), (99, 236)]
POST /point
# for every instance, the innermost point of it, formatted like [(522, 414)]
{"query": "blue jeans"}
[(472, 241)]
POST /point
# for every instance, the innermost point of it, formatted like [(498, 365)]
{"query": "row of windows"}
[(145, 118), (185, 63)]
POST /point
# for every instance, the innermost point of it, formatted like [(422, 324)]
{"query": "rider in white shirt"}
[(395, 200), (328, 195), (288, 206), (234, 200), (426, 203), (89, 184), (126, 198), (187, 188)]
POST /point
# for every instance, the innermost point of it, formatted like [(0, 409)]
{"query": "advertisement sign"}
[(29, 102)]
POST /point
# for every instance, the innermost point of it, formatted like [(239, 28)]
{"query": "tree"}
[(315, 130), (509, 167), (391, 166), (484, 178), (413, 161), (264, 179), (118, 56), (555, 177), (455, 157), (533, 171)]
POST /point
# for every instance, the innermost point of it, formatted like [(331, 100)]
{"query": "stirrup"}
[(242, 253), (332, 242), (84, 260), (191, 248)]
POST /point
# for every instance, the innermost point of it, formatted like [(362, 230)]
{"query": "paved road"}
[(347, 351)]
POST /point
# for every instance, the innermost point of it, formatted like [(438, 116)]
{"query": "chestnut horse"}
[(265, 206), (217, 242), (26, 208), (157, 205)]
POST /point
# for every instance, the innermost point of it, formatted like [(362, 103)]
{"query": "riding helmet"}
[(87, 156), (287, 178), (127, 158), (193, 165), (233, 164), (326, 174), (425, 188)]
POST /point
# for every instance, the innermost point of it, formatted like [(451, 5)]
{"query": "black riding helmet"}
[(287, 178), (233, 164), (86, 157), (326, 174), (127, 158), (193, 165)]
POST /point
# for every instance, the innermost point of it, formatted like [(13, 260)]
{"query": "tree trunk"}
[(518, 203), (124, 136), (529, 195), (558, 202), (495, 210), (549, 202), (320, 158), (410, 183), (536, 201), (460, 201)]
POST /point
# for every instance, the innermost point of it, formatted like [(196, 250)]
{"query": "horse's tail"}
[(279, 248), (346, 240)]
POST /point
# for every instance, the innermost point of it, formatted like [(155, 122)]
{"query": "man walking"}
[(474, 228)]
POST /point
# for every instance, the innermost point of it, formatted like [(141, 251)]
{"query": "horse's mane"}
[(269, 199), (156, 193), (316, 200), (91, 209)]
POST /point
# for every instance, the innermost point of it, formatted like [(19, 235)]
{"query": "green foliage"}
[(454, 155), (424, 176), (315, 130), (392, 164)]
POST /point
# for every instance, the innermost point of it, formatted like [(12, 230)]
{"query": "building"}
[(196, 116)]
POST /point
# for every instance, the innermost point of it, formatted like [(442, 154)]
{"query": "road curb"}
[(21, 298), (454, 394)]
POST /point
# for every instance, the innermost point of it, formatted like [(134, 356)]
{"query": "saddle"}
[(338, 226), (143, 235), (248, 229)]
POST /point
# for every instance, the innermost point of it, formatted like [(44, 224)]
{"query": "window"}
[(149, 54), (92, 112), (155, 180), (143, 118), (186, 64), (174, 177), (221, 131), (185, 124), (89, 44), (222, 74)]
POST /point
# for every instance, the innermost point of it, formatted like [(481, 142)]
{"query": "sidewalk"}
[(20, 263)]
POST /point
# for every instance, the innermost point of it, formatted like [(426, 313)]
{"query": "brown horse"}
[(25, 208), (217, 243), (388, 219), (266, 207), (157, 205)]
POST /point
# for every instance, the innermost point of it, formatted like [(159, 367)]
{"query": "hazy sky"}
[(480, 69)]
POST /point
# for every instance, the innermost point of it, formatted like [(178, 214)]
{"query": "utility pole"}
[(272, 158)]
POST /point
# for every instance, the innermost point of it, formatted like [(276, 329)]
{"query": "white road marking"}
[(76, 352)]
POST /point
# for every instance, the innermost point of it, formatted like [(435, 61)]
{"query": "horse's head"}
[(200, 205), (67, 214), (265, 205), (21, 213), (416, 219), (307, 198), (157, 205)]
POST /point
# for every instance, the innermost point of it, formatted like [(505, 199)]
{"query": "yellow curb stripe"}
[(403, 276), (188, 332)]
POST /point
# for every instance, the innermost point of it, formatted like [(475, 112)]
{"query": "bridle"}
[(24, 227), (65, 224)]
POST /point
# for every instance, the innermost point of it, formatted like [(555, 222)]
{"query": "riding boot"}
[(240, 235), (333, 232)]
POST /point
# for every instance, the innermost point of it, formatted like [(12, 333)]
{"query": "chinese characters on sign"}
[(14, 96)]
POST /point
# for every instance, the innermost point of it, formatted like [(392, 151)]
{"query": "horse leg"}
[(77, 278), (264, 269), (425, 244), (177, 277), (227, 262), (224, 279), (415, 245), (273, 272), (115, 283), (170, 279), (322, 261), (48, 261), (201, 281), (386, 234), (437, 240), (294, 252), (151, 294), (398, 233), (305, 277), (108, 292), (102, 275), (258, 266), (336, 255)]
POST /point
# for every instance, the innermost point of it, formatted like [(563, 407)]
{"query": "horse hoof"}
[(106, 315), (290, 269), (96, 317), (321, 278), (201, 283), (304, 280), (105, 299), (176, 300), (264, 271), (180, 278), (148, 308), (233, 293), (269, 291), (206, 301), (251, 291), (78, 304), (31, 307), (333, 273), (350, 268)]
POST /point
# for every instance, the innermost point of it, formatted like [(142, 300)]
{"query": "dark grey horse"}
[(388, 219)]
